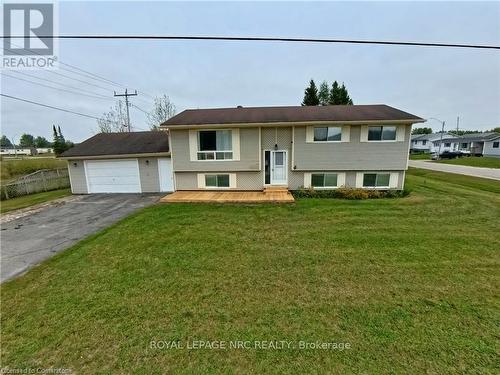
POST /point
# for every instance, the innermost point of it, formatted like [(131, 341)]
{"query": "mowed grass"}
[(32, 199), (13, 168), (412, 284), (474, 161), (423, 156)]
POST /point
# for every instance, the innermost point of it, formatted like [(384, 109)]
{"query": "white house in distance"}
[(18, 151), (425, 142), (477, 144)]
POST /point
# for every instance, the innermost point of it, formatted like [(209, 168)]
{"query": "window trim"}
[(193, 141), (201, 177), (341, 179), (327, 127), (324, 178), (381, 133), (213, 152), (388, 186)]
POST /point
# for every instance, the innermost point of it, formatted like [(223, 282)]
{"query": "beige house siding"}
[(77, 177), (244, 180), (352, 155), (249, 153)]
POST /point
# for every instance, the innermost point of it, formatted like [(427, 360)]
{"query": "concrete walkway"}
[(490, 173)]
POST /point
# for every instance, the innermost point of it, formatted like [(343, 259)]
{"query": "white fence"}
[(42, 180)]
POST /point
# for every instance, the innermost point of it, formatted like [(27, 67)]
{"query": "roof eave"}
[(115, 156), (290, 123)]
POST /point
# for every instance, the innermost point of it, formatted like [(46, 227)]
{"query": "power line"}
[(48, 106), (263, 39), (56, 88), (87, 74), (139, 108), (58, 83)]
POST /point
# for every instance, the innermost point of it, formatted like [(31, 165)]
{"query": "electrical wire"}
[(261, 39), (49, 106)]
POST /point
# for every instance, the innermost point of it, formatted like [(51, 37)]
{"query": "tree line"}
[(59, 144), (326, 95)]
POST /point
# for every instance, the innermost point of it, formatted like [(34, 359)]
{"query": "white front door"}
[(279, 168), (165, 174)]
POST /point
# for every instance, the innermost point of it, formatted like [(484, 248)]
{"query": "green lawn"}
[(420, 156), (13, 168), (474, 161), (32, 199), (411, 284)]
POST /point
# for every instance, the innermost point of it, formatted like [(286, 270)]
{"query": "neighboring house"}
[(18, 151), (44, 150), (136, 162), (425, 142), (492, 146), (477, 144), (324, 147)]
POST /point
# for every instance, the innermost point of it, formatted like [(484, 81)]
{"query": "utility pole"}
[(458, 121), (126, 95)]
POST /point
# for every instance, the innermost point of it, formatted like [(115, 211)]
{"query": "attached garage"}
[(136, 162), (113, 176)]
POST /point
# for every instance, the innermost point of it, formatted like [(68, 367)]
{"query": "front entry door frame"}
[(279, 172)]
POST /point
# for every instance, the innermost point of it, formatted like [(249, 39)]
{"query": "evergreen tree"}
[(339, 95), (57, 145), (311, 94), (324, 93), (334, 94), (344, 95)]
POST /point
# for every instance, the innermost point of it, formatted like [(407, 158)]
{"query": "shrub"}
[(349, 193)]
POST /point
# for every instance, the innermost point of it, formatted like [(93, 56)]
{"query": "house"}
[(136, 162), (19, 150), (249, 149), (44, 150), (324, 147), (477, 144), (425, 142)]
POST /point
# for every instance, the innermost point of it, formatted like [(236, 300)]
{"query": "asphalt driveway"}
[(491, 173), (28, 240)]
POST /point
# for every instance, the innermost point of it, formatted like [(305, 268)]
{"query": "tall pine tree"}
[(311, 94), (339, 95), (324, 93), (58, 144)]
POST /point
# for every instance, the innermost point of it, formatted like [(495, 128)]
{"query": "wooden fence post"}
[(44, 181)]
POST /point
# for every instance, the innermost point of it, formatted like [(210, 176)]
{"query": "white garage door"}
[(113, 176)]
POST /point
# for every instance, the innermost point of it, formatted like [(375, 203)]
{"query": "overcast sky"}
[(429, 82)]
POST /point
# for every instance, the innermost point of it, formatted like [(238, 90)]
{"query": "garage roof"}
[(121, 144), (240, 115)]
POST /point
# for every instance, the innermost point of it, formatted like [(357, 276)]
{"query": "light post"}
[(442, 132)]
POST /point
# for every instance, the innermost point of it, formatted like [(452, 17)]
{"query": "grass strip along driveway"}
[(411, 284), (32, 199)]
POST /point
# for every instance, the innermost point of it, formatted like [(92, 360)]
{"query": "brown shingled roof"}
[(121, 144), (241, 115)]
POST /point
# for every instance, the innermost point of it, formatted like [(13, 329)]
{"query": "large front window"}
[(215, 145), (376, 179), (382, 133)]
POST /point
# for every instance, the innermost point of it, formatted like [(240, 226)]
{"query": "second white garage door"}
[(113, 176)]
